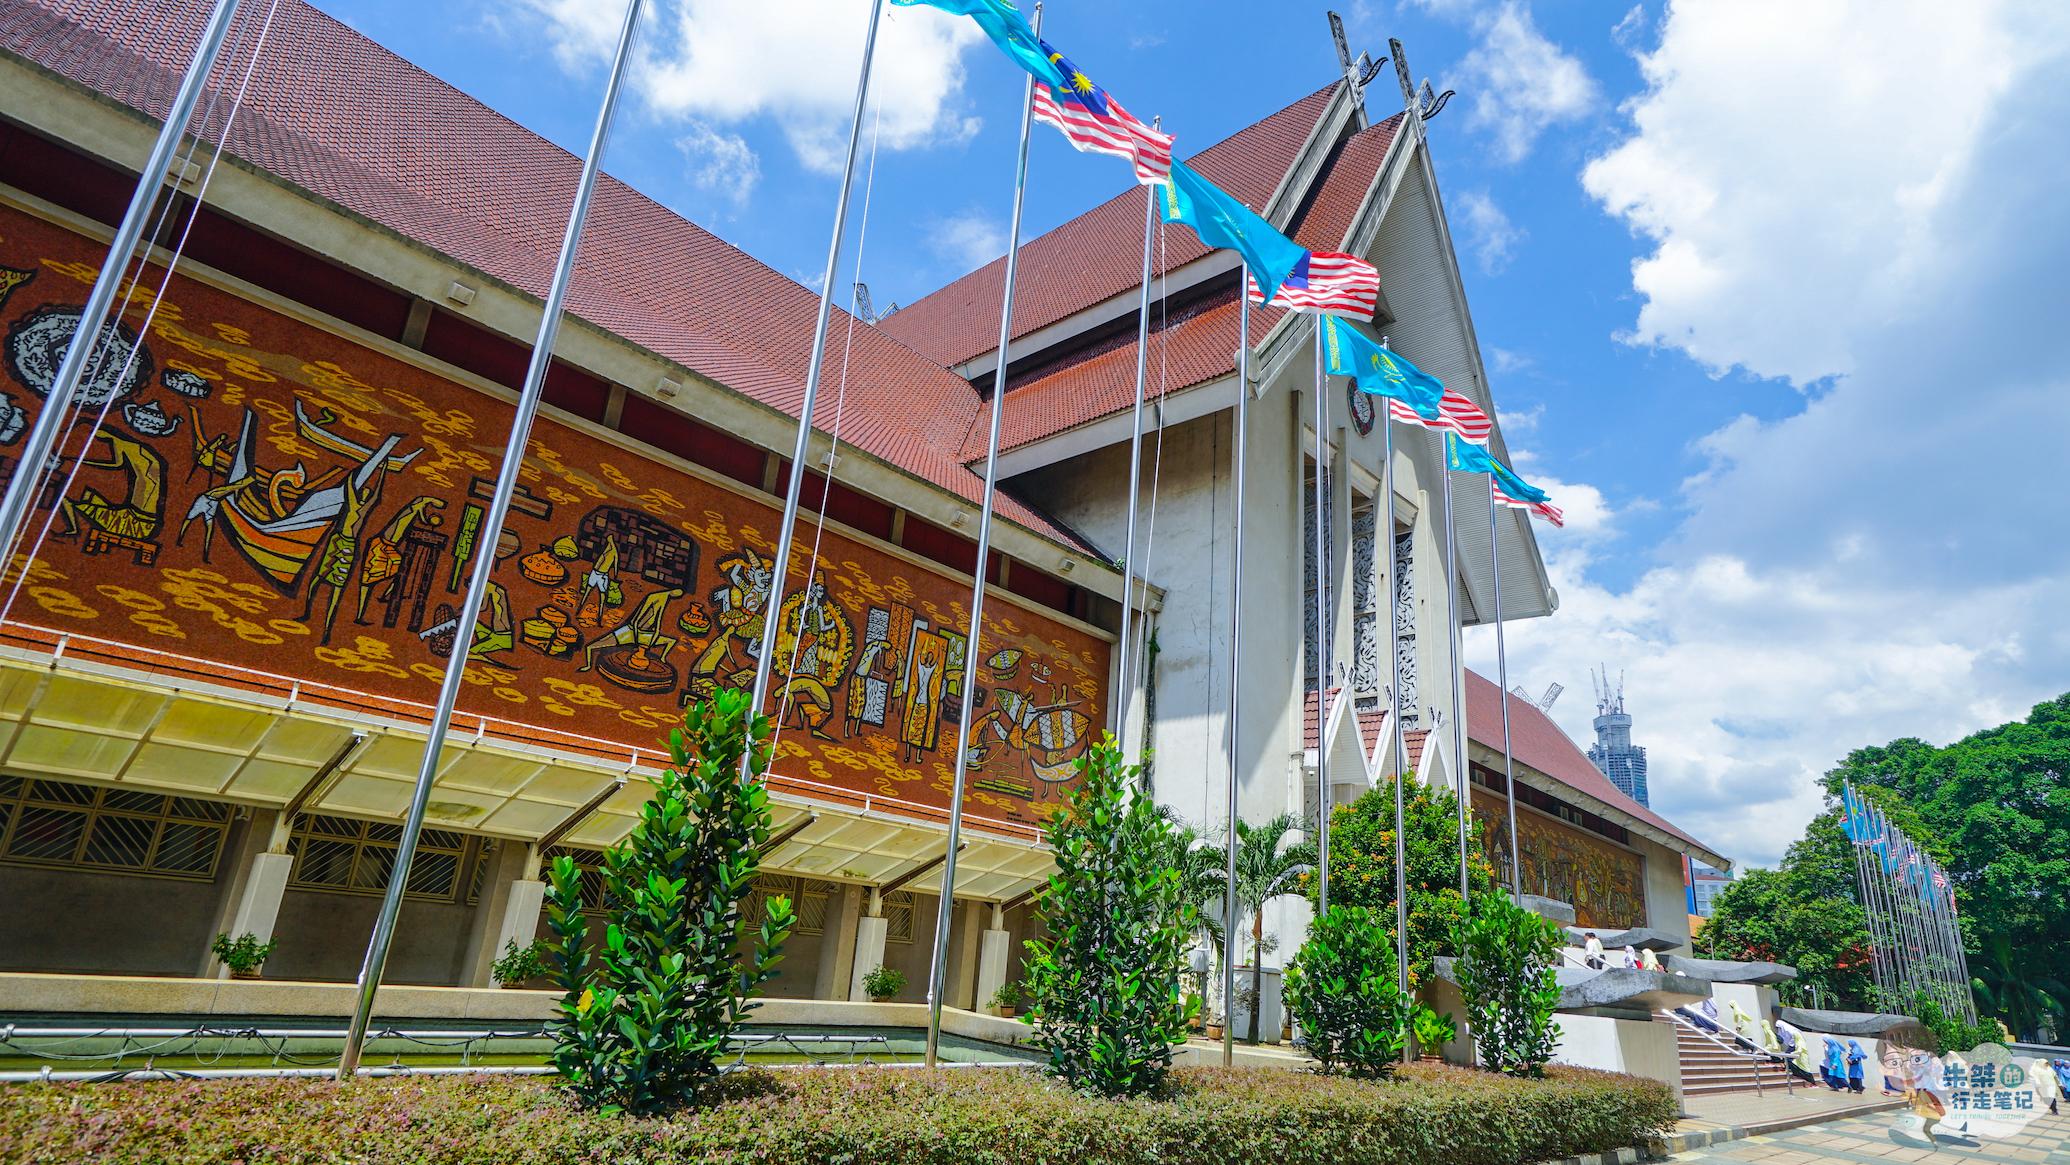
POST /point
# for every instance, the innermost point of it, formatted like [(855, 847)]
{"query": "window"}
[(347, 856), (54, 823), (898, 917)]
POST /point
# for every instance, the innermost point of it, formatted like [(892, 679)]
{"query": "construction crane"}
[(1543, 703)]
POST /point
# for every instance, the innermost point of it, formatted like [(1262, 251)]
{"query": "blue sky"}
[(1723, 256)]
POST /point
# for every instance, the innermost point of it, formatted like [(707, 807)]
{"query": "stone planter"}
[(244, 973)]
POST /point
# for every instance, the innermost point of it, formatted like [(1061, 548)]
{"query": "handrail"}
[(1755, 1057)]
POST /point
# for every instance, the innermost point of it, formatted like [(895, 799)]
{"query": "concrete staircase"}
[(1717, 1064)]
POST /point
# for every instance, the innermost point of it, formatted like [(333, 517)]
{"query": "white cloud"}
[(724, 62), (1882, 563), (1505, 361), (1520, 83), (1629, 27), (722, 163), (968, 240), (1489, 232)]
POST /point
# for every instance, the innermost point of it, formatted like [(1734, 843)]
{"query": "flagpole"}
[(485, 564), (1394, 713), (1125, 680), (27, 480), (772, 603), (1458, 668), (945, 906), (1323, 530), (1243, 403), (1509, 765)]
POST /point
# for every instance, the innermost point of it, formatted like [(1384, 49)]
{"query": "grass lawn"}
[(828, 1116)]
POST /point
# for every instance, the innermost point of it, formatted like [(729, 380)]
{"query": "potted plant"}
[(1433, 1031), (883, 984), (519, 963), (1214, 1029), (244, 954), (1006, 999)]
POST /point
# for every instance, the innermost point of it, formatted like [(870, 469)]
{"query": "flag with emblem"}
[(1544, 510), (1349, 352), (1002, 22), (1329, 282), (1097, 124), (1466, 457), (1221, 221)]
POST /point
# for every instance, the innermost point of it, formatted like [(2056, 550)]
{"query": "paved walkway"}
[(1754, 1109), (1888, 1137)]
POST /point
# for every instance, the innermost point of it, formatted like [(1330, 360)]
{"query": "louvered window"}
[(56, 823)]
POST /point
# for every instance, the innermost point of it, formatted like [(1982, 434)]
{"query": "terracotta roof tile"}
[(345, 119), (1371, 723), (1537, 741), (1099, 254)]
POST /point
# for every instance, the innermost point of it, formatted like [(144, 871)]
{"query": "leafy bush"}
[(518, 964), (1952, 1032), (1433, 1030), (883, 982), (1362, 864), (643, 1021), (1505, 971), (243, 954), (1104, 988), (1429, 1114), (1342, 990)]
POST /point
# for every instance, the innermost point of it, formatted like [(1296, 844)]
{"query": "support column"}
[(507, 912), (837, 946), (963, 959), (257, 881), (870, 932), (995, 953)]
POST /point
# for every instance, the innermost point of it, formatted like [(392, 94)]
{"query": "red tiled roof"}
[(1537, 741), (1371, 722), (345, 119), (1193, 345), (1099, 254)]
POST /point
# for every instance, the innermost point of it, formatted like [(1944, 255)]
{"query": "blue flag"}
[(1466, 458), (1348, 352), (1221, 221), (1001, 21), (1850, 815)]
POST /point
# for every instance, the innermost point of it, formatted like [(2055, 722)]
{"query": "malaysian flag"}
[(1456, 414), (1546, 510), (1326, 281), (1097, 124)]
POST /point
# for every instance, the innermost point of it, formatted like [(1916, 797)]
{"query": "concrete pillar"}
[(257, 875), (870, 932), (995, 959), (837, 944), (507, 912), (960, 977)]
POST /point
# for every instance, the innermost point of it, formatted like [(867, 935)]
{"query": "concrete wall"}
[(1667, 906), (323, 936), (1638, 1047), (81, 921)]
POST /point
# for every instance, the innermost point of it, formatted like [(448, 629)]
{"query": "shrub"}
[(884, 982), (243, 954), (1952, 1032), (1104, 987), (1362, 864), (1505, 971), (1430, 1114), (518, 964), (1433, 1030), (1341, 988), (642, 1023)]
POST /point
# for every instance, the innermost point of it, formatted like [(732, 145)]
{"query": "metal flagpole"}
[(27, 481), (772, 603), (1394, 712), (1243, 406), (1125, 683), (945, 906), (1323, 530), (1509, 764), (492, 529), (1458, 670)]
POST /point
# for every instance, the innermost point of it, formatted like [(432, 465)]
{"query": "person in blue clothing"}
[(2062, 1069), (1856, 1057), (1834, 1070)]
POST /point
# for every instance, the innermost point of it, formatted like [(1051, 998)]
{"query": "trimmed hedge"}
[(1429, 1113)]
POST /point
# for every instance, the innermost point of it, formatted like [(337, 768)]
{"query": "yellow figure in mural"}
[(384, 551), (739, 605), (602, 578), (642, 627), (815, 642), (132, 522)]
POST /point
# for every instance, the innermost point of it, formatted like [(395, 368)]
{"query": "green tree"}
[(1362, 864), (643, 1021), (1505, 968), (2025, 994), (1341, 989), (1104, 988), (1266, 867), (1806, 914)]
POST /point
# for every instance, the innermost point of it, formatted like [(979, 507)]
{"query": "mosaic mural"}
[(269, 495), (1606, 884)]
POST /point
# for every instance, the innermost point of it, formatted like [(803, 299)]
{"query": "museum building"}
[(215, 676)]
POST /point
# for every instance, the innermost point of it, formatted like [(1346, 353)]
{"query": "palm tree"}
[(2010, 988), (1264, 871)]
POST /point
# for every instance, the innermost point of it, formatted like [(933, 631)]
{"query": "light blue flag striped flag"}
[(1466, 458), (1003, 23), (1221, 221), (1380, 371)]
